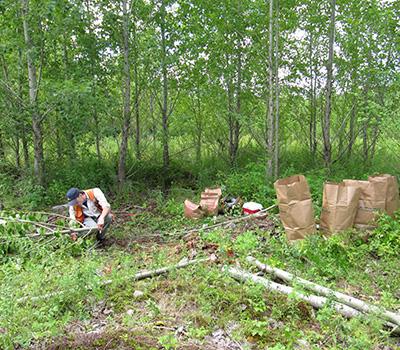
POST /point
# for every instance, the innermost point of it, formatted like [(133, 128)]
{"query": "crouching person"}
[(91, 208)]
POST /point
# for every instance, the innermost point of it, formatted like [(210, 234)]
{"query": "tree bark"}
[(127, 97), (197, 110), (236, 117), (137, 115), (231, 118), (2, 148), (313, 103), (2, 138), (164, 107), (270, 115), (137, 92), (93, 57), (25, 145), (277, 90), (375, 135), (328, 103), (365, 142), (39, 167), (314, 300), (352, 133), (17, 153), (69, 130), (154, 122)]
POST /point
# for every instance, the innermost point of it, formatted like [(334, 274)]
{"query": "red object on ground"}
[(251, 208)]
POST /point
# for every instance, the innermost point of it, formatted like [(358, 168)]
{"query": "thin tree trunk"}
[(199, 126), (231, 118), (327, 292), (314, 112), (164, 107), (277, 89), (2, 148), (365, 142), (92, 55), (72, 156), (97, 133), (17, 153), (375, 135), (137, 115), (136, 99), (352, 134), (270, 115), (24, 139), (154, 123), (25, 147), (5, 74), (236, 120), (328, 103), (198, 145), (39, 168), (314, 300), (127, 96), (313, 103)]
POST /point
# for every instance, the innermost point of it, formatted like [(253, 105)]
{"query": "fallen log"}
[(327, 292), (314, 300), (183, 263), (138, 276)]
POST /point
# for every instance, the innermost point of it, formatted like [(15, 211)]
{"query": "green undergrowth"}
[(18, 187), (42, 295), (48, 286)]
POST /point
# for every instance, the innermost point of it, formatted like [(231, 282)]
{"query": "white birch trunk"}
[(343, 298)]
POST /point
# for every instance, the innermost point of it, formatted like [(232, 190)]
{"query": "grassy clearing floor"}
[(199, 307)]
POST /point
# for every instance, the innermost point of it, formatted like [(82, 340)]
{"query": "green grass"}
[(202, 298), (198, 300)]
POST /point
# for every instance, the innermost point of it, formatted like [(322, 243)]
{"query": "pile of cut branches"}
[(36, 233)]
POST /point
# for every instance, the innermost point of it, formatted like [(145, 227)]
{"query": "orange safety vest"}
[(79, 216)]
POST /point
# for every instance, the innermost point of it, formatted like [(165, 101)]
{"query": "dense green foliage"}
[(153, 100), (214, 89)]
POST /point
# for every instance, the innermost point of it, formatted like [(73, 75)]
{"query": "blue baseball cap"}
[(72, 195)]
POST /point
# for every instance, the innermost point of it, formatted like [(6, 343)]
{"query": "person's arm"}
[(101, 199), (72, 216), (71, 212)]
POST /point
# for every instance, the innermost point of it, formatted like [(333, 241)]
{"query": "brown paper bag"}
[(372, 201), (210, 200), (392, 191), (217, 191), (339, 207), (192, 210), (295, 206)]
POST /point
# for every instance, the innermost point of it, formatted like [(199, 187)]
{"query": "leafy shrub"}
[(385, 239), (250, 184)]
